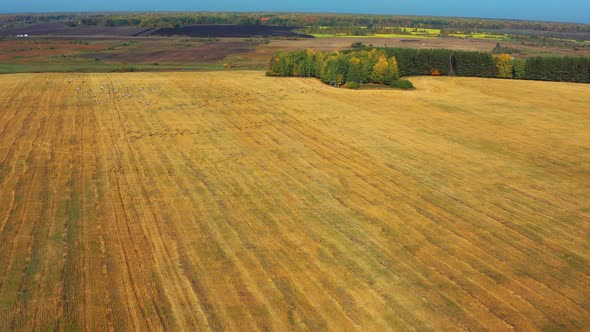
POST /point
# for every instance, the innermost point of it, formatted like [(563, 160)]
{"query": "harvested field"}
[(161, 54), (172, 51), (229, 200), (339, 43), (230, 30), (62, 29), (94, 53), (23, 50)]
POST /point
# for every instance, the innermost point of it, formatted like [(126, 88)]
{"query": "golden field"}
[(233, 201)]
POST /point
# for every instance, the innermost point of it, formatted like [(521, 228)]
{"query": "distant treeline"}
[(353, 24), (370, 23), (386, 65), (479, 64), (567, 69), (34, 18), (438, 61)]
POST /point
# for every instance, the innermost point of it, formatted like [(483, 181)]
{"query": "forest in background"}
[(361, 24), (385, 66)]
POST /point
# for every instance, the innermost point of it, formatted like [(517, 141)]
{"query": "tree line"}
[(565, 69), (350, 68), (359, 24), (387, 65), (344, 22), (438, 61)]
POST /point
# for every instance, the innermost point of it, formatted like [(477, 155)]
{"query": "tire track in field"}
[(125, 217), (256, 312), (27, 240), (102, 191), (201, 295), (13, 122), (111, 267), (8, 211), (156, 241), (99, 227), (72, 273), (121, 311), (80, 120), (40, 233), (45, 311), (7, 124), (117, 123), (207, 306), (15, 149)]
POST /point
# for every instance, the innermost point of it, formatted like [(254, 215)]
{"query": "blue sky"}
[(565, 10)]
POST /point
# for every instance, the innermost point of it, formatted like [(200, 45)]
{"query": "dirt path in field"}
[(232, 201)]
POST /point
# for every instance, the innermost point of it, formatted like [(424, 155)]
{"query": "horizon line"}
[(288, 12)]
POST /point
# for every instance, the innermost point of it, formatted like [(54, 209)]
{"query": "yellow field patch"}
[(230, 200)]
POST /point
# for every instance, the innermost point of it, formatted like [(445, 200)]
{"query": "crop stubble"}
[(229, 200)]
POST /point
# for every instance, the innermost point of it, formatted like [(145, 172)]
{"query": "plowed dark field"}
[(61, 29), (222, 30)]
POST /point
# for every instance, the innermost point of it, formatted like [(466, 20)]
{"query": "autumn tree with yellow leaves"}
[(504, 65)]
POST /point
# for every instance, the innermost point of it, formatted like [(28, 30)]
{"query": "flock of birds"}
[(109, 92)]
